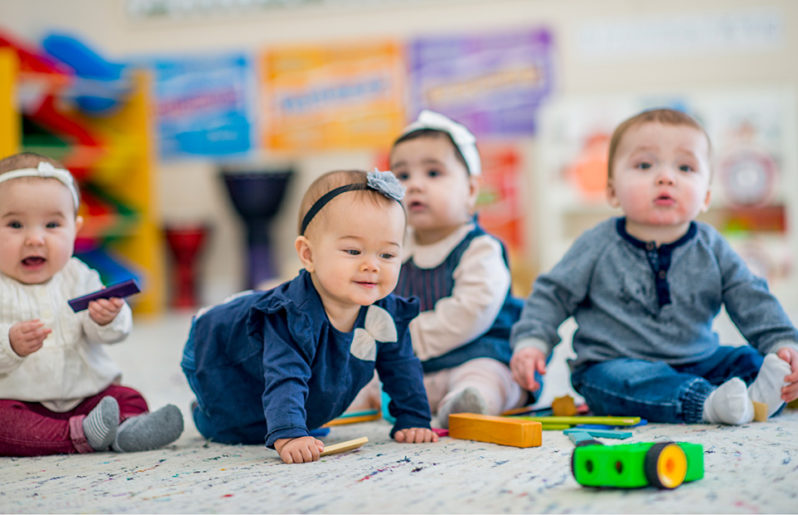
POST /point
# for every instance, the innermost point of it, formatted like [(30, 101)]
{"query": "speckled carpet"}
[(749, 469)]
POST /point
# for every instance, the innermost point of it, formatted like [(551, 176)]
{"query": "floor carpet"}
[(748, 469)]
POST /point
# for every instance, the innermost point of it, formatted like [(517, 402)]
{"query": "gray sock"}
[(469, 400), (100, 424), (150, 430)]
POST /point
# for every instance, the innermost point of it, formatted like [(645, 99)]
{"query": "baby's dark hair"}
[(665, 116), (26, 160), (332, 180), (433, 133)]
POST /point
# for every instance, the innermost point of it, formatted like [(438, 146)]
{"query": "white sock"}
[(766, 388), (467, 401), (729, 404)]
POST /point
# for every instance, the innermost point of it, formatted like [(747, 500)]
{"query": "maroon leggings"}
[(30, 429)]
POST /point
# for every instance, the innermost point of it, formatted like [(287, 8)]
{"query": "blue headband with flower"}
[(381, 182)]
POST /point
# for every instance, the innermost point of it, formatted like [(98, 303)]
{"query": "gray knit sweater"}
[(633, 299)]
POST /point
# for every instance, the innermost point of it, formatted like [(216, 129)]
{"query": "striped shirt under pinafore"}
[(432, 284)]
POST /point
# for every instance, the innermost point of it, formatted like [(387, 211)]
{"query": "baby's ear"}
[(474, 183), (708, 197), (305, 252), (610, 191), (78, 223)]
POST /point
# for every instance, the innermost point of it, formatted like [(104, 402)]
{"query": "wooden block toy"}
[(760, 411), (559, 422), (601, 433), (344, 446), (353, 419), (500, 430), (563, 406), (122, 289)]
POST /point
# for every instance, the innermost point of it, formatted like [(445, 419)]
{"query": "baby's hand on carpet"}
[(415, 435), (790, 391), (299, 450)]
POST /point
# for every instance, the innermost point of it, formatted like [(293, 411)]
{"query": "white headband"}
[(45, 170), (462, 137)]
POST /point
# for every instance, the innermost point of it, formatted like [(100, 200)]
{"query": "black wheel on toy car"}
[(580, 444), (665, 465)]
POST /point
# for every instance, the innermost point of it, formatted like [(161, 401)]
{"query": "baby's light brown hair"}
[(328, 182), (25, 160), (664, 116)]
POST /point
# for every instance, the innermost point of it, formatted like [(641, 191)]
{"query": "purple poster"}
[(492, 83)]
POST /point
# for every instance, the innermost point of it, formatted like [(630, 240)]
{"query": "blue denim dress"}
[(267, 365)]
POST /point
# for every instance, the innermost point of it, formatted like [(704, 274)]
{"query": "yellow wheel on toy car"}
[(665, 465)]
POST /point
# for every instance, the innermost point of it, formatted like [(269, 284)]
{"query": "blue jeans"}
[(659, 392)]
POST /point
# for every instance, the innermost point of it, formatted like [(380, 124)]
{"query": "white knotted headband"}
[(45, 170), (465, 141)]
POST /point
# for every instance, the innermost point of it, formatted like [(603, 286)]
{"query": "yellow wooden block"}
[(344, 446), (760, 411), (563, 406), (340, 421), (500, 430)]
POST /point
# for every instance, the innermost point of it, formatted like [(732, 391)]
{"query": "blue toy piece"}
[(104, 83)]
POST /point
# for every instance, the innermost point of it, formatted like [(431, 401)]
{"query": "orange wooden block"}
[(500, 430)]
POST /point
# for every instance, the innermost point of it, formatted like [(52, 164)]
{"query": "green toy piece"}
[(633, 465)]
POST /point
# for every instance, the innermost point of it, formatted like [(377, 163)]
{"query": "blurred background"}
[(194, 126)]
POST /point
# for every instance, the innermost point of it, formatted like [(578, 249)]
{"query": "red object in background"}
[(185, 242)]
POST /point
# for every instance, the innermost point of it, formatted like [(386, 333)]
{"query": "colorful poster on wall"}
[(341, 96), (203, 105), (499, 200), (492, 83)]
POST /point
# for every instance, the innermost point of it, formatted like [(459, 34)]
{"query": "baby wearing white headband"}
[(60, 413), (45, 170), (459, 272)]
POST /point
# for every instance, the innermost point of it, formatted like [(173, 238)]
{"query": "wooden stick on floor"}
[(344, 446)]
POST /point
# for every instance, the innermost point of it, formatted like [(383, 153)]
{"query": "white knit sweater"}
[(72, 364)]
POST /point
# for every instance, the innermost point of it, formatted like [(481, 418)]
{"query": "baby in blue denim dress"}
[(273, 365)]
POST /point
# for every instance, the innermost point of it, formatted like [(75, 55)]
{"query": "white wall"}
[(191, 190)]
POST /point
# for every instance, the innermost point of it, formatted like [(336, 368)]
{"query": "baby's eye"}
[(53, 225), (433, 173), (686, 168), (402, 176), (643, 165), (388, 255), (352, 252), (14, 224)]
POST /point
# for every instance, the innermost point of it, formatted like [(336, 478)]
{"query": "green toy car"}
[(664, 465)]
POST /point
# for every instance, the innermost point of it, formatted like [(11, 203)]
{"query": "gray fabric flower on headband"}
[(385, 183)]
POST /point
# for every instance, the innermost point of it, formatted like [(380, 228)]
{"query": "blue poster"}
[(204, 105)]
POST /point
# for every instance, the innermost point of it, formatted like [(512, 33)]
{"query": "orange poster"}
[(338, 96)]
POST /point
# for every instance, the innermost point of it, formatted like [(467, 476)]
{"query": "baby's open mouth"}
[(33, 261)]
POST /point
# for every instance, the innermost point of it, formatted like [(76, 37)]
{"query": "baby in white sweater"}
[(59, 390)]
